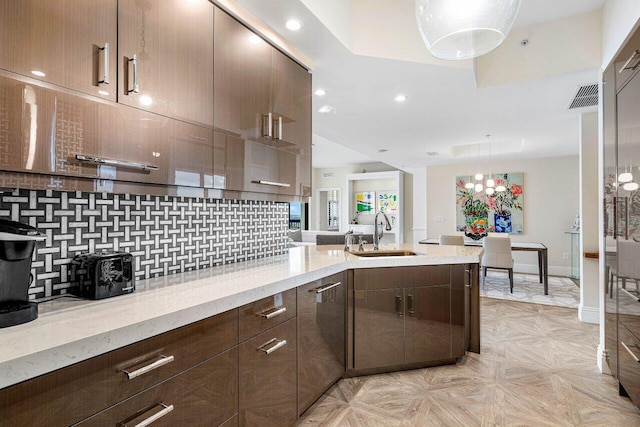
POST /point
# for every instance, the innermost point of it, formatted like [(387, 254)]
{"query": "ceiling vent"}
[(585, 96)]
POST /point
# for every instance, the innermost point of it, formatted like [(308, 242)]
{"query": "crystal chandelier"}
[(463, 29)]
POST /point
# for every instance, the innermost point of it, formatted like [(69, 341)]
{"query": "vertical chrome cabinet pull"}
[(105, 75), (268, 351), (398, 305), (636, 358), (155, 417), (267, 125), (272, 312), (278, 128), (410, 304), (136, 87), (150, 367), (631, 58)]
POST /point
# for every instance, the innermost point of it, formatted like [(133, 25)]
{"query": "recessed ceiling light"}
[(382, 150), (326, 109), (432, 153), (38, 73), (320, 92), (293, 24), (253, 39), (401, 98)]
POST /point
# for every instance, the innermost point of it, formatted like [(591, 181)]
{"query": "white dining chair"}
[(628, 265), (448, 239), (497, 255)]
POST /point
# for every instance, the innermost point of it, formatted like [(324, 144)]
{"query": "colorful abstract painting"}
[(503, 207), (365, 201), (388, 202)]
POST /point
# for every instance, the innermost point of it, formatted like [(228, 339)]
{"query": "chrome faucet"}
[(348, 240), (377, 234)]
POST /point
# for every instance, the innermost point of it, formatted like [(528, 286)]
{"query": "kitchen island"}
[(69, 331)]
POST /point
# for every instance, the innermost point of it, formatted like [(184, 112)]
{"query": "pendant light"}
[(501, 188), (625, 176), (489, 191), (464, 29), (630, 186)]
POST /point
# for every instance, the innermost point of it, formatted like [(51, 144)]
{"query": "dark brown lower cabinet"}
[(427, 324), (267, 379), (628, 366), (321, 337), (408, 315), (205, 395)]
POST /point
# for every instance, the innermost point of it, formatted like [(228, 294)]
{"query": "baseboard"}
[(589, 314), (602, 360), (533, 269)]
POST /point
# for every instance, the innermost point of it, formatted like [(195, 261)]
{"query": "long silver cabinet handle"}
[(150, 367), (630, 352), (114, 162), (279, 343), (267, 125), (326, 288), (631, 58), (272, 183), (105, 75), (272, 312), (155, 417), (136, 86)]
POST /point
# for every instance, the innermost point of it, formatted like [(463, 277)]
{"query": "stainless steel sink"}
[(383, 253)]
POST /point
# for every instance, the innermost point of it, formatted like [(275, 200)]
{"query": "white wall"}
[(619, 17), (551, 202), (337, 179), (335, 15), (588, 310)]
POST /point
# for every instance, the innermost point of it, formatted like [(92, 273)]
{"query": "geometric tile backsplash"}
[(165, 234)]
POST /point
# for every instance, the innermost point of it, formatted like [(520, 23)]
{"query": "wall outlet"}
[(438, 218), (565, 255)]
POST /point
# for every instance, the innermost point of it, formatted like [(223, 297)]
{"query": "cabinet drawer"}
[(267, 381), (628, 363), (75, 392), (206, 395), (266, 313), (401, 277)]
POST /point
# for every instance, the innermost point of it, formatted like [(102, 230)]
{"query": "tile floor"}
[(537, 368)]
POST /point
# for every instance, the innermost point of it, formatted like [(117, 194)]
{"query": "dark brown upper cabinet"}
[(165, 58), (264, 98), (70, 43)]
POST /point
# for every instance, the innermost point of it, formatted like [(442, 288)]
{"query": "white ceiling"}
[(445, 108)]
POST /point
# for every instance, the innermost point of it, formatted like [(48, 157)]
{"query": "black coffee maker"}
[(17, 242)]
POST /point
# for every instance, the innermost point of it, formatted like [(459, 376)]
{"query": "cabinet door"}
[(427, 324), (166, 48), (628, 366), (186, 155), (291, 103), (321, 337), (61, 42), (268, 169), (460, 304), (267, 385), (228, 162), (242, 74), (378, 328), (205, 395)]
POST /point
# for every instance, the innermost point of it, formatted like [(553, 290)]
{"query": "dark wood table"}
[(543, 262)]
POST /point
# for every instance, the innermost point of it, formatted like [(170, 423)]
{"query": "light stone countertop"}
[(71, 330)]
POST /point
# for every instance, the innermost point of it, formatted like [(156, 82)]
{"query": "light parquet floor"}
[(537, 368)]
